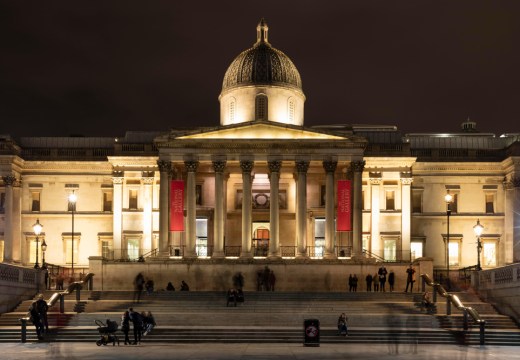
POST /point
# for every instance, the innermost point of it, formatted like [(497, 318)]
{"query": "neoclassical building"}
[(262, 185)]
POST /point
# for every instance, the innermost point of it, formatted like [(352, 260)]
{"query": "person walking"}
[(342, 325), (35, 318), (138, 287), (375, 279), (125, 326), (368, 279), (137, 323), (42, 307), (382, 272), (354, 283), (410, 278), (391, 280), (350, 282)]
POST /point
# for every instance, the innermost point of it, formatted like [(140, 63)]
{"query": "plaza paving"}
[(87, 351)]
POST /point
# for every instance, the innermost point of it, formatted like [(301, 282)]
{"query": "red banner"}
[(177, 205), (343, 222)]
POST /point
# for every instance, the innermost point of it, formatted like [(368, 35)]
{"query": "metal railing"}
[(454, 299), (76, 286)]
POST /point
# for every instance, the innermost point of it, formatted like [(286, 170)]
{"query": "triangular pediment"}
[(261, 131)]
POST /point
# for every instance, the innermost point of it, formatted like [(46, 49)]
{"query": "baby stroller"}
[(107, 332)]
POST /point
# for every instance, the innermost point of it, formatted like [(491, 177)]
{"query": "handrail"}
[(372, 255), (454, 299)]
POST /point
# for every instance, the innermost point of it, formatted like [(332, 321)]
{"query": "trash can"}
[(311, 329)]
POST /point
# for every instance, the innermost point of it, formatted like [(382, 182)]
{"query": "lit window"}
[(489, 254), (319, 237), (416, 249), (68, 248), (202, 237), (261, 107), (490, 203), (453, 253), (35, 206), (132, 199), (107, 200), (390, 200)]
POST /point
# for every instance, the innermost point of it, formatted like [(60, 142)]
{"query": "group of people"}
[(142, 324), (38, 316), (378, 281), (265, 279), (184, 286)]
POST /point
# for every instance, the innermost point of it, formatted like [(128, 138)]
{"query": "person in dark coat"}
[(382, 272), (125, 326), (36, 320), (138, 287), (184, 286), (137, 322), (42, 307), (354, 283), (350, 283), (368, 279), (272, 280), (375, 280), (410, 278), (170, 287), (391, 280)]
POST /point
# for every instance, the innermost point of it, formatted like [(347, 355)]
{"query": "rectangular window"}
[(106, 249), (455, 203), (453, 253), (390, 250), (133, 248), (35, 206), (201, 243), (2, 201), (489, 254), (319, 237), (390, 199), (69, 244), (416, 249), (107, 200), (417, 201), (490, 203), (132, 199)]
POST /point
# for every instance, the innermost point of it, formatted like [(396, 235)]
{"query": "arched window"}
[(291, 109), (261, 107)]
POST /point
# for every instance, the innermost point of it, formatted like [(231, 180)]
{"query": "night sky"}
[(100, 68)]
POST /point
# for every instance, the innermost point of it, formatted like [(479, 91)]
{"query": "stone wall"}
[(216, 275), (17, 284)]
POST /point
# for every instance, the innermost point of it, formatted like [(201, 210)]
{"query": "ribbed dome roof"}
[(262, 65)]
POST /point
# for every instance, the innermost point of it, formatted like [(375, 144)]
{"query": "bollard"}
[(465, 316), (482, 330), (62, 303), (78, 293), (448, 305), (434, 299), (23, 322)]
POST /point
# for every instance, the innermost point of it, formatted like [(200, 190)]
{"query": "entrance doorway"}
[(261, 236)]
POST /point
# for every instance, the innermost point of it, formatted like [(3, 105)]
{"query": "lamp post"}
[(44, 248), (72, 205), (478, 231), (448, 198), (37, 228)]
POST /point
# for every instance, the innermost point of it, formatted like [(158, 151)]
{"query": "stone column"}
[(164, 206), (247, 193), (220, 211), (357, 217), (9, 182), (512, 220), (375, 216), (149, 242), (191, 209), (117, 215), (330, 231), (274, 208), (301, 209), (406, 216)]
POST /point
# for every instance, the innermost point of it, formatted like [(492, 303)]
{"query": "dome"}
[(262, 65)]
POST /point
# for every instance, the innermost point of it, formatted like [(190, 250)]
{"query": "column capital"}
[(406, 181), (191, 165), (274, 165), (330, 166), (219, 166), (247, 166), (302, 166), (9, 180), (375, 181), (164, 166), (118, 176), (358, 166)]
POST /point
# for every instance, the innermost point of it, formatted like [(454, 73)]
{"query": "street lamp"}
[(37, 228), (72, 205), (448, 198), (478, 231), (44, 248)]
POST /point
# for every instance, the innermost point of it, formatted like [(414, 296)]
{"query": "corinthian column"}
[(218, 248), (406, 215), (330, 168), (301, 208), (247, 193), (357, 233), (164, 206), (117, 215), (375, 185), (191, 209), (274, 208), (148, 241), (9, 181)]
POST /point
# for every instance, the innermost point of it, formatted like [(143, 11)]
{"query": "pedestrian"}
[(231, 297), (238, 280), (342, 325), (43, 307), (375, 279), (266, 275), (410, 278), (35, 318), (125, 326), (138, 287), (184, 286), (382, 272), (170, 287), (350, 283), (149, 286), (149, 322), (354, 283), (272, 280), (368, 279), (137, 324), (259, 280), (59, 282), (391, 280)]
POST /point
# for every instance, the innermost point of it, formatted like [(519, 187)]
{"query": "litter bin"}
[(311, 329)]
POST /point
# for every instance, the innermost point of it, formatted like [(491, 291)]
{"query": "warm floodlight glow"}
[(37, 228), (448, 198), (478, 229), (73, 197)]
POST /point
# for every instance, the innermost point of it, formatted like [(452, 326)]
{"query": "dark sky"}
[(99, 68)]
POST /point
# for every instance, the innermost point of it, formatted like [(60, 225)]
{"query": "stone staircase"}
[(197, 317)]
